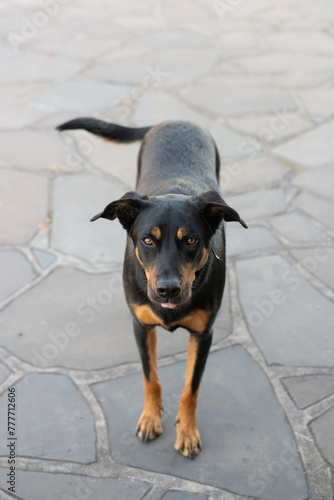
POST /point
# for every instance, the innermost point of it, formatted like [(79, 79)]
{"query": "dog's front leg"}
[(188, 440), (149, 425)]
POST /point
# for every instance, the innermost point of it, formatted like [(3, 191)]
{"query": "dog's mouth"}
[(168, 305)]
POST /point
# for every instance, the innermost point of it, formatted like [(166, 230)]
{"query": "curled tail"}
[(111, 131)]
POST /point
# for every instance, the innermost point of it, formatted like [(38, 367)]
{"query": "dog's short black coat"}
[(174, 269)]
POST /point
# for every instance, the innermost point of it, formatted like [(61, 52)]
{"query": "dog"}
[(174, 267)]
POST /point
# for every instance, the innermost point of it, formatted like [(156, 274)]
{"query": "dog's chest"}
[(196, 321)]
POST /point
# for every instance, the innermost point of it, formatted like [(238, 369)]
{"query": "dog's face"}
[(171, 236)]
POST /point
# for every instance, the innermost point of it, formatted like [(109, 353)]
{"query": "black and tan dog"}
[(174, 270)]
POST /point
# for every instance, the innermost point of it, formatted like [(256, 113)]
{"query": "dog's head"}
[(171, 236)]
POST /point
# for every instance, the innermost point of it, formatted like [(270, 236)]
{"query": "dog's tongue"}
[(168, 305)]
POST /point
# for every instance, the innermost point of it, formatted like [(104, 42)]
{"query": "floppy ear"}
[(125, 209), (215, 209)]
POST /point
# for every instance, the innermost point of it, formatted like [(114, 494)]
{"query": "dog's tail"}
[(111, 131)]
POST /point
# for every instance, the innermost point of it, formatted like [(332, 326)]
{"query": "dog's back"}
[(178, 157)]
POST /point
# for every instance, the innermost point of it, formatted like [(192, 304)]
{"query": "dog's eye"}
[(148, 241), (191, 240)]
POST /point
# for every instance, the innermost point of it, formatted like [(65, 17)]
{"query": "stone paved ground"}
[(259, 76)]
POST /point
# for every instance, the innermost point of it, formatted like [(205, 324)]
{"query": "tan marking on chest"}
[(196, 321), (146, 316)]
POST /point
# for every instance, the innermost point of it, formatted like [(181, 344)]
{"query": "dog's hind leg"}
[(149, 425), (188, 440)]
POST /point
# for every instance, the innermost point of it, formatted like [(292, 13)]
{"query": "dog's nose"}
[(170, 288)]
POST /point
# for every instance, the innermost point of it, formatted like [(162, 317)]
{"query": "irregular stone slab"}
[(90, 26), (285, 63), (51, 32), (76, 200), (192, 13), (15, 272), (15, 115), (81, 97), (71, 312), (238, 43), (4, 373), (320, 181), (232, 145), (238, 101), (310, 149), (280, 15), (257, 204), (319, 102), (296, 228), (306, 41), (171, 38), (159, 106), (14, 91), (255, 238), (251, 173), (323, 14), (316, 207), (165, 68), (287, 81), (19, 189), (141, 23), (271, 128), (76, 320), (236, 416), (309, 389), (322, 428), (80, 48), (53, 420), (39, 150), (182, 495), (319, 261), (42, 485), (44, 259), (290, 320), (31, 67)]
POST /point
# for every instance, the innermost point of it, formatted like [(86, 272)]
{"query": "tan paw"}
[(149, 425), (188, 441)]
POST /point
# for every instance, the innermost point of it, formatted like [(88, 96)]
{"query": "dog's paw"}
[(149, 425), (188, 440)]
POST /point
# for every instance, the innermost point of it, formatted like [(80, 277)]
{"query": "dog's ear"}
[(215, 209), (125, 209)]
